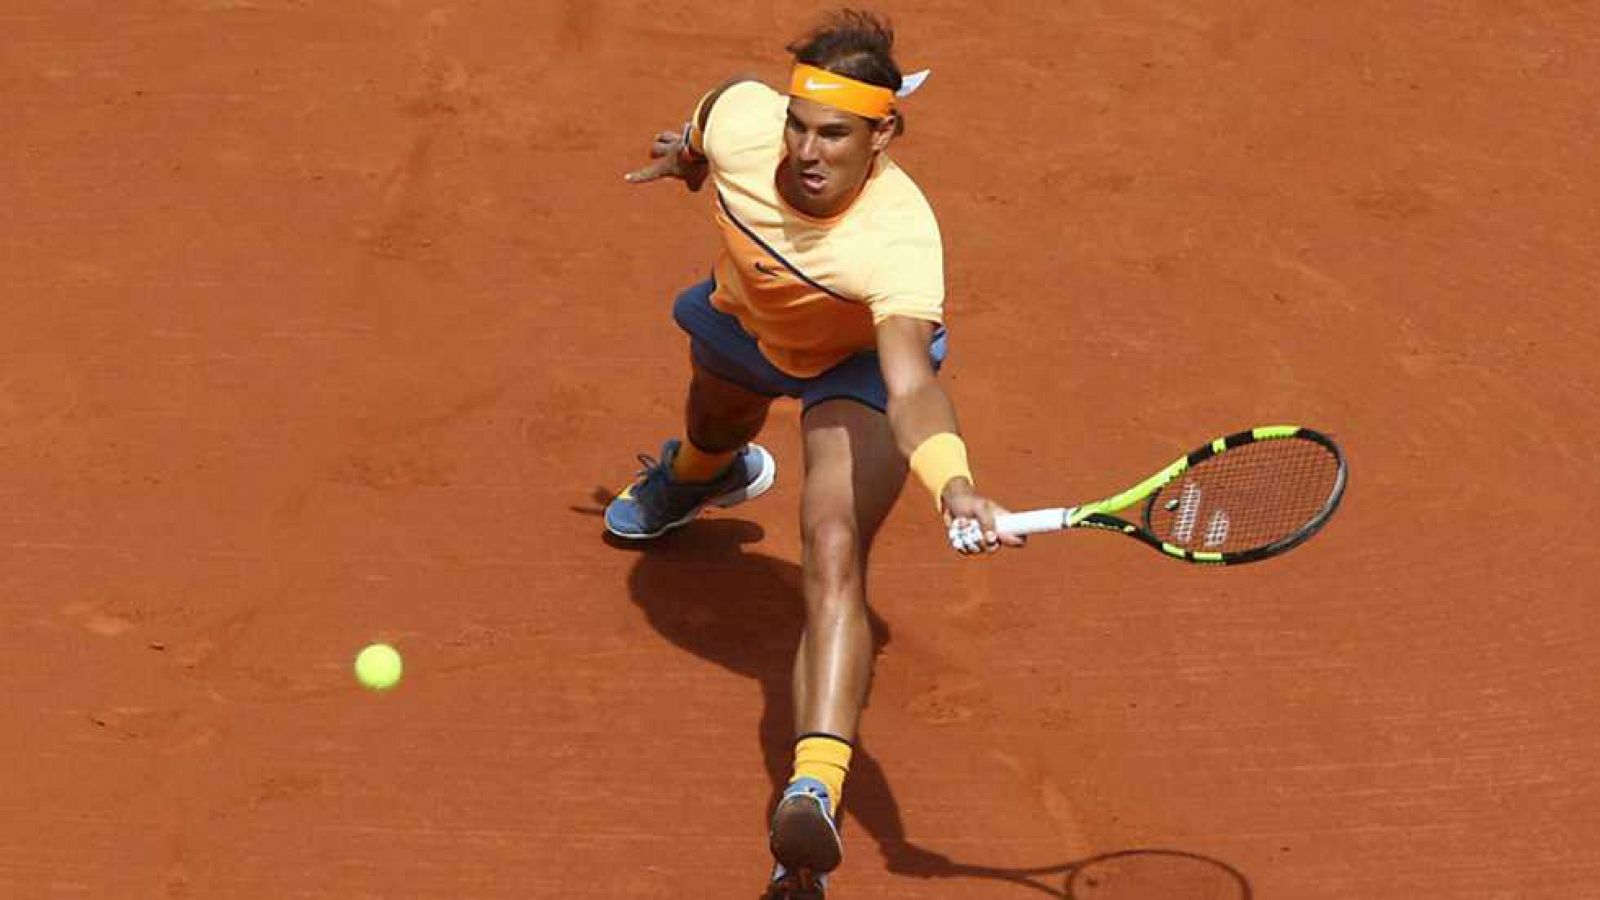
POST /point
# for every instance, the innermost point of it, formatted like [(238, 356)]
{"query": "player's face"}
[(830, 154)]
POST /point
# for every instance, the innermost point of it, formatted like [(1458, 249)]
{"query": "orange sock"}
[(825, 758), (693, 464)]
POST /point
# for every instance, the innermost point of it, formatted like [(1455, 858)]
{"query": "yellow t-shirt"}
[(812, 290)]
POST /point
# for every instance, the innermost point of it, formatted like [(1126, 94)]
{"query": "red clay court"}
[(323, 323)]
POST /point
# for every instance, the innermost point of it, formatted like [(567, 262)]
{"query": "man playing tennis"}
[(829, 289)]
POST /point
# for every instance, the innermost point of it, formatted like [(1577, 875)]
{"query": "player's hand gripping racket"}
[(1238, 499)]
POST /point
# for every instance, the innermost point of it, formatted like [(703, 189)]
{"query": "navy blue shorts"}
[(722, 347)]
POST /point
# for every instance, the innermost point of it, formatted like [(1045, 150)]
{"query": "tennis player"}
[(829, 289)]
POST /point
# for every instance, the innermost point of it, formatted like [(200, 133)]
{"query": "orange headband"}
[(866, 100)]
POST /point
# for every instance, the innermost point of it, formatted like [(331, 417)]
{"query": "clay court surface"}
[(324, 322)]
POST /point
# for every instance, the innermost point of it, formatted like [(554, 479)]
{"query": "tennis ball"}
[(378, 667)]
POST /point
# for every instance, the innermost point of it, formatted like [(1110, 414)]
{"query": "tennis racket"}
[(1241, 498)]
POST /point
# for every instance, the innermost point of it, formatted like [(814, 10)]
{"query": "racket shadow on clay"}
[(1140, 874)]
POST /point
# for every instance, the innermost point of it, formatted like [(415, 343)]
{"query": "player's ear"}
[(884, 131)]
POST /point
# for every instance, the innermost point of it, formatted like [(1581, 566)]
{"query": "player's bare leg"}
[(720, 416), (853, 475)]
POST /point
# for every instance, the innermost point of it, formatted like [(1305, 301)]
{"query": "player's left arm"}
[(681, 154), (923, 420)]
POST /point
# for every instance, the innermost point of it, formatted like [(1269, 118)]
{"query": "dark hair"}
[(856, 44)]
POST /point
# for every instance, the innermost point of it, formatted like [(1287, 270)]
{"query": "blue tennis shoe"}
[(656, 504), (804, 839)]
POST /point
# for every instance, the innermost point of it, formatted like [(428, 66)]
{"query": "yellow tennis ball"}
[(378, 667)]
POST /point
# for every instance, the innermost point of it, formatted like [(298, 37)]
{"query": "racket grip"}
[(1033, 522)]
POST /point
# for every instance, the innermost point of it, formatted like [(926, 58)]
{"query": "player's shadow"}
[(703, 591), (744, 611)]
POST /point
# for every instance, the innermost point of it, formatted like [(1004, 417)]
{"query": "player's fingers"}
[(953, 530), (1001, 538), (651, 172), (1013, 540), (987, 510), (969, 546), (966, 536)]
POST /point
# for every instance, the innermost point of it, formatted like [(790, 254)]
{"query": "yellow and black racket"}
[(1238, 499)]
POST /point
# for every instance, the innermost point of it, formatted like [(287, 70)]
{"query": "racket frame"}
[(1099, 514)]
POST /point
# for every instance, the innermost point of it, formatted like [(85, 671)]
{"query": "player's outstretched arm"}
[(676, 154), (670, 157), (924, 423)]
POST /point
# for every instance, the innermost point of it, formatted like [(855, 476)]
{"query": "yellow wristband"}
[(939, 459)]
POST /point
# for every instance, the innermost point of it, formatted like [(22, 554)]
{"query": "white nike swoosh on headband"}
[(821, 86)]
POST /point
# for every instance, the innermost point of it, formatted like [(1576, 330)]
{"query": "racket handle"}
[(1033, 522)]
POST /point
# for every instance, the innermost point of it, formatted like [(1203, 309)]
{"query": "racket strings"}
[(1246, 497)]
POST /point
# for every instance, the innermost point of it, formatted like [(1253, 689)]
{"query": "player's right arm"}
[(681, 154), (920, 413)]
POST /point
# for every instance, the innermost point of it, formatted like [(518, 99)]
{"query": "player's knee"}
[(832, 550)]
